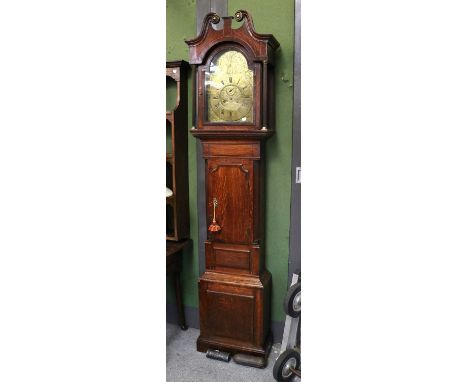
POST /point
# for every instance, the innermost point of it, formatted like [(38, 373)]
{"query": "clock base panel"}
[(235, 313)]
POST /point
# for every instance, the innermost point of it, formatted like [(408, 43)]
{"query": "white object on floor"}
[(168, 192)]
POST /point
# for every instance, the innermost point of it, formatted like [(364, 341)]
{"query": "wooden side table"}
[(174, 250)]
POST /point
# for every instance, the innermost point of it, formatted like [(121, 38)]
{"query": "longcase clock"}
[(233, 117)]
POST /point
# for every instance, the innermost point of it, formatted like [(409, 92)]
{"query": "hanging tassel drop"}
[(214, 226)]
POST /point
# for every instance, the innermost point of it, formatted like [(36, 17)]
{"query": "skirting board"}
[(192, 320)]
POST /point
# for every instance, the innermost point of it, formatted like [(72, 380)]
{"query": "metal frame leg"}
[(179, 303), (291, 326)]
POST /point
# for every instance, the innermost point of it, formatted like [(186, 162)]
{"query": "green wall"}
[(181, 25), (275, 17)]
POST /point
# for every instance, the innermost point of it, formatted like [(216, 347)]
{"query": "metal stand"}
[(291, 326), (287, 365)]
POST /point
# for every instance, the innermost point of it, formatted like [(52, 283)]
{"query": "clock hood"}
[(262, 46)]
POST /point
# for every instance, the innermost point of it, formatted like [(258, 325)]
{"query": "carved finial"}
[(214, 18), (239, 15)]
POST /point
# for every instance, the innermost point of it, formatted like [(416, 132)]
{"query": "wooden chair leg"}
[(180, 306)]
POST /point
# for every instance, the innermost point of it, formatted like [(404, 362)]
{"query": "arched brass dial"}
[(229, 89)]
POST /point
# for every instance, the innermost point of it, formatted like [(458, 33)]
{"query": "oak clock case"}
[(233, 118)]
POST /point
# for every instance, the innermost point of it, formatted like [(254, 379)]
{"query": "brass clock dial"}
[(229, 89)]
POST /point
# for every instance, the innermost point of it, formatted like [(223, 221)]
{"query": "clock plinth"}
[(235, 314), (233, 117)]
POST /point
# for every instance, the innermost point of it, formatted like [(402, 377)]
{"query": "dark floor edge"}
[(191, 315), (192, 319)]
